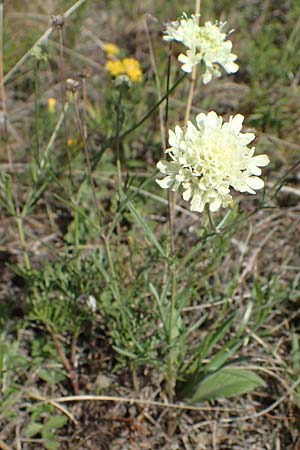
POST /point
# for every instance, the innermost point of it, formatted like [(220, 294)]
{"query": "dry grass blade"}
[(56, 405), (137, 401)]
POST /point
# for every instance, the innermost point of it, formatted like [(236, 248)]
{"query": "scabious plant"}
[(205, 44), (208, 159)]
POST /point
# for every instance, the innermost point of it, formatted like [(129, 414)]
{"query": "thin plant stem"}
[(170, 362), (3, 94), (170, 368), (210, 218), (134, 378), (84, 97), (87, 159), (170, 193), (171, 375), (191, 90), (73, 348), (37, 109), (115, 287), (63, 100), (104, 238), (158, 86), (70, 370), (194, 73), (117, 141), (108, 143), (46, 155), (22, 241)]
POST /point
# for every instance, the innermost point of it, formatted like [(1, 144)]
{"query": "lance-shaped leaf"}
[(227, 382)]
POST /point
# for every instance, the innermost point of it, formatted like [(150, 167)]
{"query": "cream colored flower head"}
[(204, 43), (209, 159)]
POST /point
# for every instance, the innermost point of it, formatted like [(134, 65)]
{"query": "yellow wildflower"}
[(71, 142), (115, 68), (126, 66), (51, 105), (132, 69), (111, 50)]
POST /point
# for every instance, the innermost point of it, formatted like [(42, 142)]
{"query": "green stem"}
[(210, 218), (109, 142), (22, 241), (172, 268), (117, 141), (112, 271), (37, 109), (170, 368)]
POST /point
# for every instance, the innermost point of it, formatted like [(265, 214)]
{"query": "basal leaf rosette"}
[(209, 159), (207, 43)]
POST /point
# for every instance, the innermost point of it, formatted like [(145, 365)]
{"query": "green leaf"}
[(145, 227), (124, 352), (55, 422), (33, 429), (207, 344), (220, 358), (50, 376), (50, 444), (228, 382)]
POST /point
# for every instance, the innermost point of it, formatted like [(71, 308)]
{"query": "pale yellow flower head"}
[(205, 43), (209, 159), (126, 66), (51, 104), (111, 50)]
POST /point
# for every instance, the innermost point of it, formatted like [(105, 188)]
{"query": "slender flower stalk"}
[(194, 71)]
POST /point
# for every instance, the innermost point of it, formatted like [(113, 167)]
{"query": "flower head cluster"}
[(209, 159), (129, 67), (204, 43), (111, 50)]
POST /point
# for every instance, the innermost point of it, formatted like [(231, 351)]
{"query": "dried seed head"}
[(72, 85), (57, 21)]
